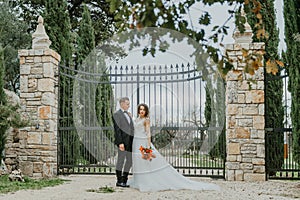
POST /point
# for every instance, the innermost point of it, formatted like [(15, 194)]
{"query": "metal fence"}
[(280, 158), (287, 167), (176, 97)]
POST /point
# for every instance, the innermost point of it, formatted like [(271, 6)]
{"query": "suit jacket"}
[(124, 131)]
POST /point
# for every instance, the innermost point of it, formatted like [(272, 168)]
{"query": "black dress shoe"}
[(121, 184), (125, 185)]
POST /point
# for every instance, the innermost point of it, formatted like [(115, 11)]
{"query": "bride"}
[(155, 174)]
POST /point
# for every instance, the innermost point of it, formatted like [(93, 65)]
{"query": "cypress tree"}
[(58, 28), (89, 61), (274, 111), (292, 60), (86, 37)]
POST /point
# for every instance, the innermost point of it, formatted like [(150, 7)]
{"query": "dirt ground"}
[(78, 187)]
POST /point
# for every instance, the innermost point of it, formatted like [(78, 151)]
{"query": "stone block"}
[(232, 109), (242, 133), (46, 85), (234, 148), (259, 169), (230, 134), (248, 147), (25, 69), (231, 158), (38, 52), (34, 138), (257, 134), (48, 98), (23, 83), (241, 98), (46, 138), (46, 59), (37, 59), (250, 110), (31, 52), (50, 125), (247, 122), (244, 85), (261, 150), (239, 158), (258, 161), (246, 166), (255, 96), (32, 84), (36, 70), (23, 52), (26, 167), (247, 160), (52, 53), (37, 167), (48, 70), (259, 122), (29, 59), (232, 96), (261, 109), (260, 85), (33, 103), (44, 112), (27, 95), (234, 75), (232, 165), (38, 94)]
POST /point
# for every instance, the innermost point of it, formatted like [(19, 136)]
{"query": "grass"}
[(7, 186)]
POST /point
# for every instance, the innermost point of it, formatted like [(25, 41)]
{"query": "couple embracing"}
[(148, 174)]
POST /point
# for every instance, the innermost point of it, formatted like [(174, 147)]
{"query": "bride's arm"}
[(147, 129)]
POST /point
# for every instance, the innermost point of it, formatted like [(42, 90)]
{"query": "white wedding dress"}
[(157, 174)]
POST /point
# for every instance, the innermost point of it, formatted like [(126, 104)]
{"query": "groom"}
[(124, 130)]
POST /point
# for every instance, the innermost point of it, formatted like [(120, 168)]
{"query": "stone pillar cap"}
[(40, 39), (245, 37)]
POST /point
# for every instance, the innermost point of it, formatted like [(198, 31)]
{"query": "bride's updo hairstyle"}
[(146, 109)]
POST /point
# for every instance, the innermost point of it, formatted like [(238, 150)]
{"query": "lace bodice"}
[(139, 127)]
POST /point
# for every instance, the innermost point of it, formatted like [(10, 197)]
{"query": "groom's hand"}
[(121, 147)]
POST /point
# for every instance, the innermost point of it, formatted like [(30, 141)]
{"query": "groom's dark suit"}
[(124, 130)]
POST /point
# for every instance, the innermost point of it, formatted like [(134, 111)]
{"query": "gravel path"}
[(77, 186)]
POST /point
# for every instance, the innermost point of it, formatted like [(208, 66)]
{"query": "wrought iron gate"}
[(280, 163), (176, 98)]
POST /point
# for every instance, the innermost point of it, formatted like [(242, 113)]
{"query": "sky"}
[(219, 15)]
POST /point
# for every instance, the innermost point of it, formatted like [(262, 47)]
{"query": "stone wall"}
[(33, 149), (245, 121)]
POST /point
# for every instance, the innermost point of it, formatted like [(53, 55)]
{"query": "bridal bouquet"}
[(147, 153)]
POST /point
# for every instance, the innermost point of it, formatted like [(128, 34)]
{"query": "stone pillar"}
[(37, 148), (245, 121)]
